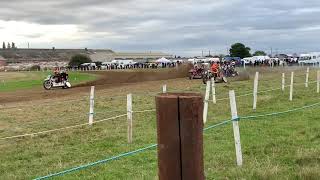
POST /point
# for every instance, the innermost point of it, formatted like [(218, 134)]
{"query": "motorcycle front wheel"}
[(205, 79), (47, 84)]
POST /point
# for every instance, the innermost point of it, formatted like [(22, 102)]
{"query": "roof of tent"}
[(163, 60)]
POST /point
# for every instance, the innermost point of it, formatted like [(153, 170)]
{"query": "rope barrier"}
[(115, 157), (98, 162), (154, 145), (59, 129), (282, 112)]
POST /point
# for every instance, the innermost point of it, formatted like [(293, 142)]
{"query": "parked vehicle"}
[(89, 65), (57, 80)]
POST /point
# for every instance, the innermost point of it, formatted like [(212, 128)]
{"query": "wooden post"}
[(206, 101), (180, 136), (164, 88), (235, 123), (307, 77), (255, 90), (129, 117), (291, 86), (318, 81), (91, 112), (283, 81), (213, 89)]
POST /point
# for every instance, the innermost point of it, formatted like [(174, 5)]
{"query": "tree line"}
[(240, 50), (9, 45)]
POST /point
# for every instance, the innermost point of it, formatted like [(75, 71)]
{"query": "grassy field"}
[(12, 81), (276, 147)]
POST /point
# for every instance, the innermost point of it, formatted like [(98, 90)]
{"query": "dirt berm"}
[(106, 79)]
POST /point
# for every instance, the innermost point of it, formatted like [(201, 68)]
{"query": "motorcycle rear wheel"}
[(47, 85)]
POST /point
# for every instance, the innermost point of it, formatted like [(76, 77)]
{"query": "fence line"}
[(142, 111), (155, 145)]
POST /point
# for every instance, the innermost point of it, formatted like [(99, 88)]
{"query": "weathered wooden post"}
[(91, 111), (235, 124), (291, 87), (283, 81), (307, 77), (129, 117), (180, 136), (255, 91)]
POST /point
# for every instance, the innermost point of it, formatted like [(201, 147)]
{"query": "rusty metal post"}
[(180, 136)]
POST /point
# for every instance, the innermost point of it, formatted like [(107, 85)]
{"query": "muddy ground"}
[(107, 79)]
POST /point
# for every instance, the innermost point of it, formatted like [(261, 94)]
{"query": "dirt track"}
[(107, 79)]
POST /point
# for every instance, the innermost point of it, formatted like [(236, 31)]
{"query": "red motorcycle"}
[(196, 73)]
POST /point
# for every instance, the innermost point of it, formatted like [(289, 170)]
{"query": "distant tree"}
[(239, 50), (13, 46), (259, 53), (3, 45), (79, 59), (35, 68), (9, 46), (53, 48)]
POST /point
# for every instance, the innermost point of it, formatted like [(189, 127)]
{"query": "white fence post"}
[(283, 81), (235, 123), (206, 100), (164, 88), (318, 81), (129, 117), (213, 86), (255, 90), (91, 112), (307, 77), (291, 86)]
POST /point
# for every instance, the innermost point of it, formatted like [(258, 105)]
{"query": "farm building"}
[(3, 61), (136, 56), (64, 55)]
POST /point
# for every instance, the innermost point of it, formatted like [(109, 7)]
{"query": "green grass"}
[(12, 81), (278, 147)]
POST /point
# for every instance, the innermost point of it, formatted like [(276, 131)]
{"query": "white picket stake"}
[(164, 88), (206, 100), (129, 117), (283, 81), (318, 81), (244, 65), (235, 123), (291, 86), (213, 89), (255, 90), (91, 112), (307, 77)]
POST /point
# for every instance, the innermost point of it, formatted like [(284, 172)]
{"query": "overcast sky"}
[(182, 27)]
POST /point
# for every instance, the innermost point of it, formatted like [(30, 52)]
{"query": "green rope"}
[(282, 112), (97, 162)]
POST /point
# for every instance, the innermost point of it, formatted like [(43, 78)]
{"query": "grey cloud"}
[(178, 25)]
